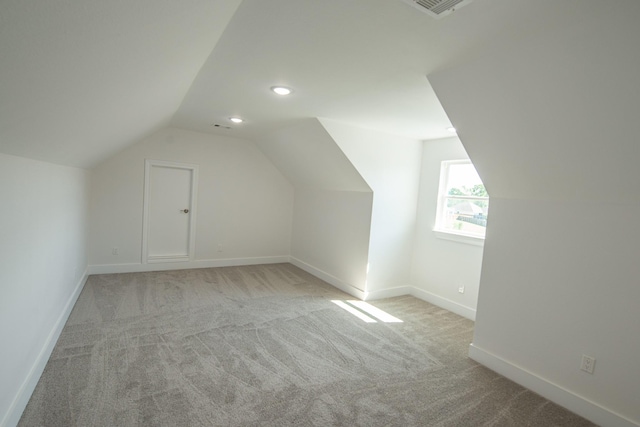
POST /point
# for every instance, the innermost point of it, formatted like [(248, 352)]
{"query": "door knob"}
[(185, 210)]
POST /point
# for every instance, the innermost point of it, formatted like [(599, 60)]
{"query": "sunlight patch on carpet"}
[(366, 312)]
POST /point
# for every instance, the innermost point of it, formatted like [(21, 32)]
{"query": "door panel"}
[(169, 212)]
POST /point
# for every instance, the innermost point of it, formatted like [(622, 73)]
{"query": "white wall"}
[(564, 287), (551, 125), (332, 213), (43, 223), (331, 236), (244, 202), (441, 266), (391, 167)]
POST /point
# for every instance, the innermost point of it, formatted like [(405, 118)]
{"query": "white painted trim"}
[(207, 263), (458, 237), (332, 280), (389, 293), (21, 399), (167, 258), (445, 303), (148, 164), (441, 232), (555, 393), (434, 299)]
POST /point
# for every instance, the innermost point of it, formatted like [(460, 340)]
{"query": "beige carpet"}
[(266, 346)]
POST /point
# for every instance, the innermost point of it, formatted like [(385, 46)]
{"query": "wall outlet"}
[(220, 247), (588, 363), (461, 289), (114, 251)]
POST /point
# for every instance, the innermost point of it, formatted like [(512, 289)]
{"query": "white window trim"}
[(469, 239), (441, 233)]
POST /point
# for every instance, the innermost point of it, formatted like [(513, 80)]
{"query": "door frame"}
[(148, 165)]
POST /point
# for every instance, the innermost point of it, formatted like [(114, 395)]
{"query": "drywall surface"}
[(43, 234), (332, 209), (391, 167), (440, 267), (244, 203), (565, 286), (81, 82), (558, 110), (331, 234), (551, 125), (309, 157)]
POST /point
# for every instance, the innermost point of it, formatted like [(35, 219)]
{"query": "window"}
[(463, 202)]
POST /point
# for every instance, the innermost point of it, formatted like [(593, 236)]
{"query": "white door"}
[(169, 211)]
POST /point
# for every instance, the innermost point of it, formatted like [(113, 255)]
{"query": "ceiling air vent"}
[(437, 8)]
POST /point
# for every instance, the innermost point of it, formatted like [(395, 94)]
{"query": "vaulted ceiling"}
[(80, 80)]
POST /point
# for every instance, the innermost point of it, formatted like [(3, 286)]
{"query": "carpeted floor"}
[(266, 346)]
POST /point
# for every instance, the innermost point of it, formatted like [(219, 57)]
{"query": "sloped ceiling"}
[(362, 62), (309, 158), (556, 115), (81, 79)]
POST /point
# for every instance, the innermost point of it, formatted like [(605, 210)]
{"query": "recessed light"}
[(236, 119), (452, 129), (281, 90)]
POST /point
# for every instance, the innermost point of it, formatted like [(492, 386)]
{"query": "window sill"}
[(460, 238)]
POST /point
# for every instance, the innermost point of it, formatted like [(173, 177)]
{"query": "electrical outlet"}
[(461, 289), (220, 247), (588, 363), (114, 251)]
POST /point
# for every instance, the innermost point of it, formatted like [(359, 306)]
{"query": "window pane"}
[(466, 216), (463, 180), (463, 202)]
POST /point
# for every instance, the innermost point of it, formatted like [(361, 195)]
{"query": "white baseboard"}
[(452, 306), (434, 299), (332, 280), (573, 402), (164, 266), (16, 408), (389, 293), (445, 303)]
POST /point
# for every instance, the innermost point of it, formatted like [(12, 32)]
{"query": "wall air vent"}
[(437, 8)]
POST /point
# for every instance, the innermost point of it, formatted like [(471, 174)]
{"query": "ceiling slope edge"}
[(81, 84), (307, 155)]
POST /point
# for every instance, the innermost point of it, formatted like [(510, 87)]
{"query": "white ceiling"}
[(81, 79)]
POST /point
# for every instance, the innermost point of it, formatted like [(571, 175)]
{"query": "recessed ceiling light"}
[(452, 129), (236, 119), (281, 90)]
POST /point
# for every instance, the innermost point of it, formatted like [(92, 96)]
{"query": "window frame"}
[(438, 229)]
